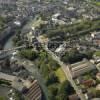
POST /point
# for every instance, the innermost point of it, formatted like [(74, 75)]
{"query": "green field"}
[(2, 98), (59, 72), (97, 53), (96, 2)]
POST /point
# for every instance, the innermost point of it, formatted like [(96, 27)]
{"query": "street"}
[(66, 70)]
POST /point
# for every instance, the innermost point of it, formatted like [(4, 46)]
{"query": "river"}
[(9, 44), (36, 73), (4, 91)]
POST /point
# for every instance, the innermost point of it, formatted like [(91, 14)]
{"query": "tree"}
[(51, 79), (2, 98), (44, 69), (29, 54), (98, 93), (74, 56), (53, 89), (53, 64), (6, 63), (89, 54), (65, 89)]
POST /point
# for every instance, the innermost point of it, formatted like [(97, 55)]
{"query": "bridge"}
[(6, 53), (12, 49)]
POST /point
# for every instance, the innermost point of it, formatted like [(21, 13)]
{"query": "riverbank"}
[(4, 90), (9, 43), (4, 37)]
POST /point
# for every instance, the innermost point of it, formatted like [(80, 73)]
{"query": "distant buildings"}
[(73, 97), (7, 3), (98, 76), (96, 38)]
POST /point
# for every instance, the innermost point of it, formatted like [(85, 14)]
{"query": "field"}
[(97, 53), (60, 75), (96, 2)]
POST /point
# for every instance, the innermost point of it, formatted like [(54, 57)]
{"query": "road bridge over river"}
[(7, 52)]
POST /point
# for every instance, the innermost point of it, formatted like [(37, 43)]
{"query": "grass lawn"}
[(2, 98), (60, 75), (96, 2), (97, 53)]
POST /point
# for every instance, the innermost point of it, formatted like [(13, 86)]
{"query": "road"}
[(66, 70), (8, 52), (34, 70), (12, 49)]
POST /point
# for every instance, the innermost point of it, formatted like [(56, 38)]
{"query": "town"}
[(49, 49)]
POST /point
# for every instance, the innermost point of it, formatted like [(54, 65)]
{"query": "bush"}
[(51, 79), (29, 54)]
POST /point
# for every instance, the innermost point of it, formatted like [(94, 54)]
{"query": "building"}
[(98, 87), (56, 19), (88, 83), (7, 3), (80, 68), (60, 49), (89, 96), (98, 76), (73, 97), (33, 92), (96, 38), (29, 88)]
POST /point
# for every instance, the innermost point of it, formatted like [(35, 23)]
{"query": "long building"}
[(80, 68), (34, 92)]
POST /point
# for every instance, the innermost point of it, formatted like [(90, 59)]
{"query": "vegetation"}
[(74, 55), (54, 76), (55, 79), (4, 82), (65, 89), (2, 23), (97, 53), (96, 2), (17, 41), (60, 74), (2, 98), (98, 93), (29, 54), (18, 96), (75, 30)]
